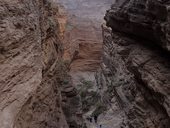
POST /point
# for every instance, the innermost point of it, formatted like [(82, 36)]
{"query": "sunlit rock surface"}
[(83, 37), (30, 51)]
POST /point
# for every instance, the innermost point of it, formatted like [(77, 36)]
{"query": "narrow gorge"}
[(84, 64)]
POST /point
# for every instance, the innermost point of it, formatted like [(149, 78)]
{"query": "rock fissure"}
[(60, 69)]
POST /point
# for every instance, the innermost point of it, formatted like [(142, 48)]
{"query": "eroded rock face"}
[(148, 19), (30, 53), (135, 67), (131, 89), (83, 34), (83, 49)]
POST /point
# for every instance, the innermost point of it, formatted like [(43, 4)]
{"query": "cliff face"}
[(132, 88), (30, 64), (136, 64), (83, 34), (147, 19)]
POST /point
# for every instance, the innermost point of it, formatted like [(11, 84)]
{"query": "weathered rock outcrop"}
[(83, 34), (136, 65), (30, 65), (132, 88), (148, 19)]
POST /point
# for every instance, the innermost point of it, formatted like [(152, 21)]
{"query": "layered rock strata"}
[(147, 19), (136, 63), (30, 65)]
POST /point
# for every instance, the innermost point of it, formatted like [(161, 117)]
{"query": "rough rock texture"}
[(148, 19), (71, 104), (30, 53), (132, 89), (136, 65)]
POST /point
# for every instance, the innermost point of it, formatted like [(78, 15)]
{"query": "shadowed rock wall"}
[(136, 61)]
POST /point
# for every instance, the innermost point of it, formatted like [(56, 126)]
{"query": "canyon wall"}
[(136, 63), (31, 68), (130, 88)]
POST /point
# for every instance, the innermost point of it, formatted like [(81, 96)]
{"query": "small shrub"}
[(65, 81), (100, 108), (87, 84)]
